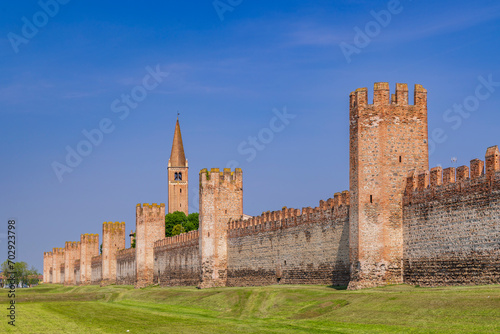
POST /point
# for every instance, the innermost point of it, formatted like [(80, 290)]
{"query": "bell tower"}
[(177, 175)]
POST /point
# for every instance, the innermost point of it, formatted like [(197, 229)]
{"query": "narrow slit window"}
[(400, 159), (371, 198)]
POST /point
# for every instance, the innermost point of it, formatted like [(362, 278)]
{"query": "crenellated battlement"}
[(89, 238), (181, 240), (461, 179), (71, 245), (113, 227), (382, 96), (215, 176), (57, 251), (123, 253), (336, 207), (150, 210)]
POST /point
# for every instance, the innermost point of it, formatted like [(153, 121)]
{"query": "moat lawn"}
[(272, 309)]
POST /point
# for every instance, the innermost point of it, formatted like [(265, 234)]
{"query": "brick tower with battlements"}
[(113, 239), (221, 200), (388, 139), (47, 267), (177, 175), (89, 247), (71, 253), (149, 227), (57, 260)]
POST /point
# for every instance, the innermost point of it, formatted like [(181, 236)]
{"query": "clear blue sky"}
[(225, 77)]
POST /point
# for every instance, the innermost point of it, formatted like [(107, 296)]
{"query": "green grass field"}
[(272, 309)]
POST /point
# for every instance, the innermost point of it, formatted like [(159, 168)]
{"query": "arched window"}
[(176, 177), (180, 176)]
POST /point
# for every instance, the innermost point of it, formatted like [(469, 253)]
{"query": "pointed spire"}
[(177, 157)]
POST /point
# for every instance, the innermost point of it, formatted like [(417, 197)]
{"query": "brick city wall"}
[(177, 260), (291, 247), (126, 266), (96, 265), (451, 226)]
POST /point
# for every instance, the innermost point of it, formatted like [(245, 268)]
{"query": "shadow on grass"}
[(338, 287)]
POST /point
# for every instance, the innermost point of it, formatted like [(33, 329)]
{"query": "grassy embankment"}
[(272, 309)]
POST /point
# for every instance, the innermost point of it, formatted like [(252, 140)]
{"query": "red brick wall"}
[(126, 267), (177, 260), (96, 264), (451, 228), (290, 247)]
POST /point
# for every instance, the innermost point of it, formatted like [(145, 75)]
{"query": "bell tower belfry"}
[(177, 175)]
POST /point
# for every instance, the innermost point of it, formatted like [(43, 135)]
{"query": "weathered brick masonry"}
[(221, 200), (113, 239), (126, 267), (96, 264), (71, 253), (387, 139), (89, 247), (177, 260), (452, 225), (291, 247), (150, 227)]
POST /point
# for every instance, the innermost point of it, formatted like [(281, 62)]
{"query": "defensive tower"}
[(113, 239), (388, 139), (89, 247), (221, 201), (71, 253), (150, 227)]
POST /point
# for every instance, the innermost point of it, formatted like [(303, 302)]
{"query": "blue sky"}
[(228, 78)]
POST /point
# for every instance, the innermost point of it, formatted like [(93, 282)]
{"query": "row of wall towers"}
[(388, 142)]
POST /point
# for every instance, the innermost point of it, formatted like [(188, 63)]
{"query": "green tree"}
[(188, 223), (20, 271), (193, 219), (132, 245), (172, 219), (178, 229)]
